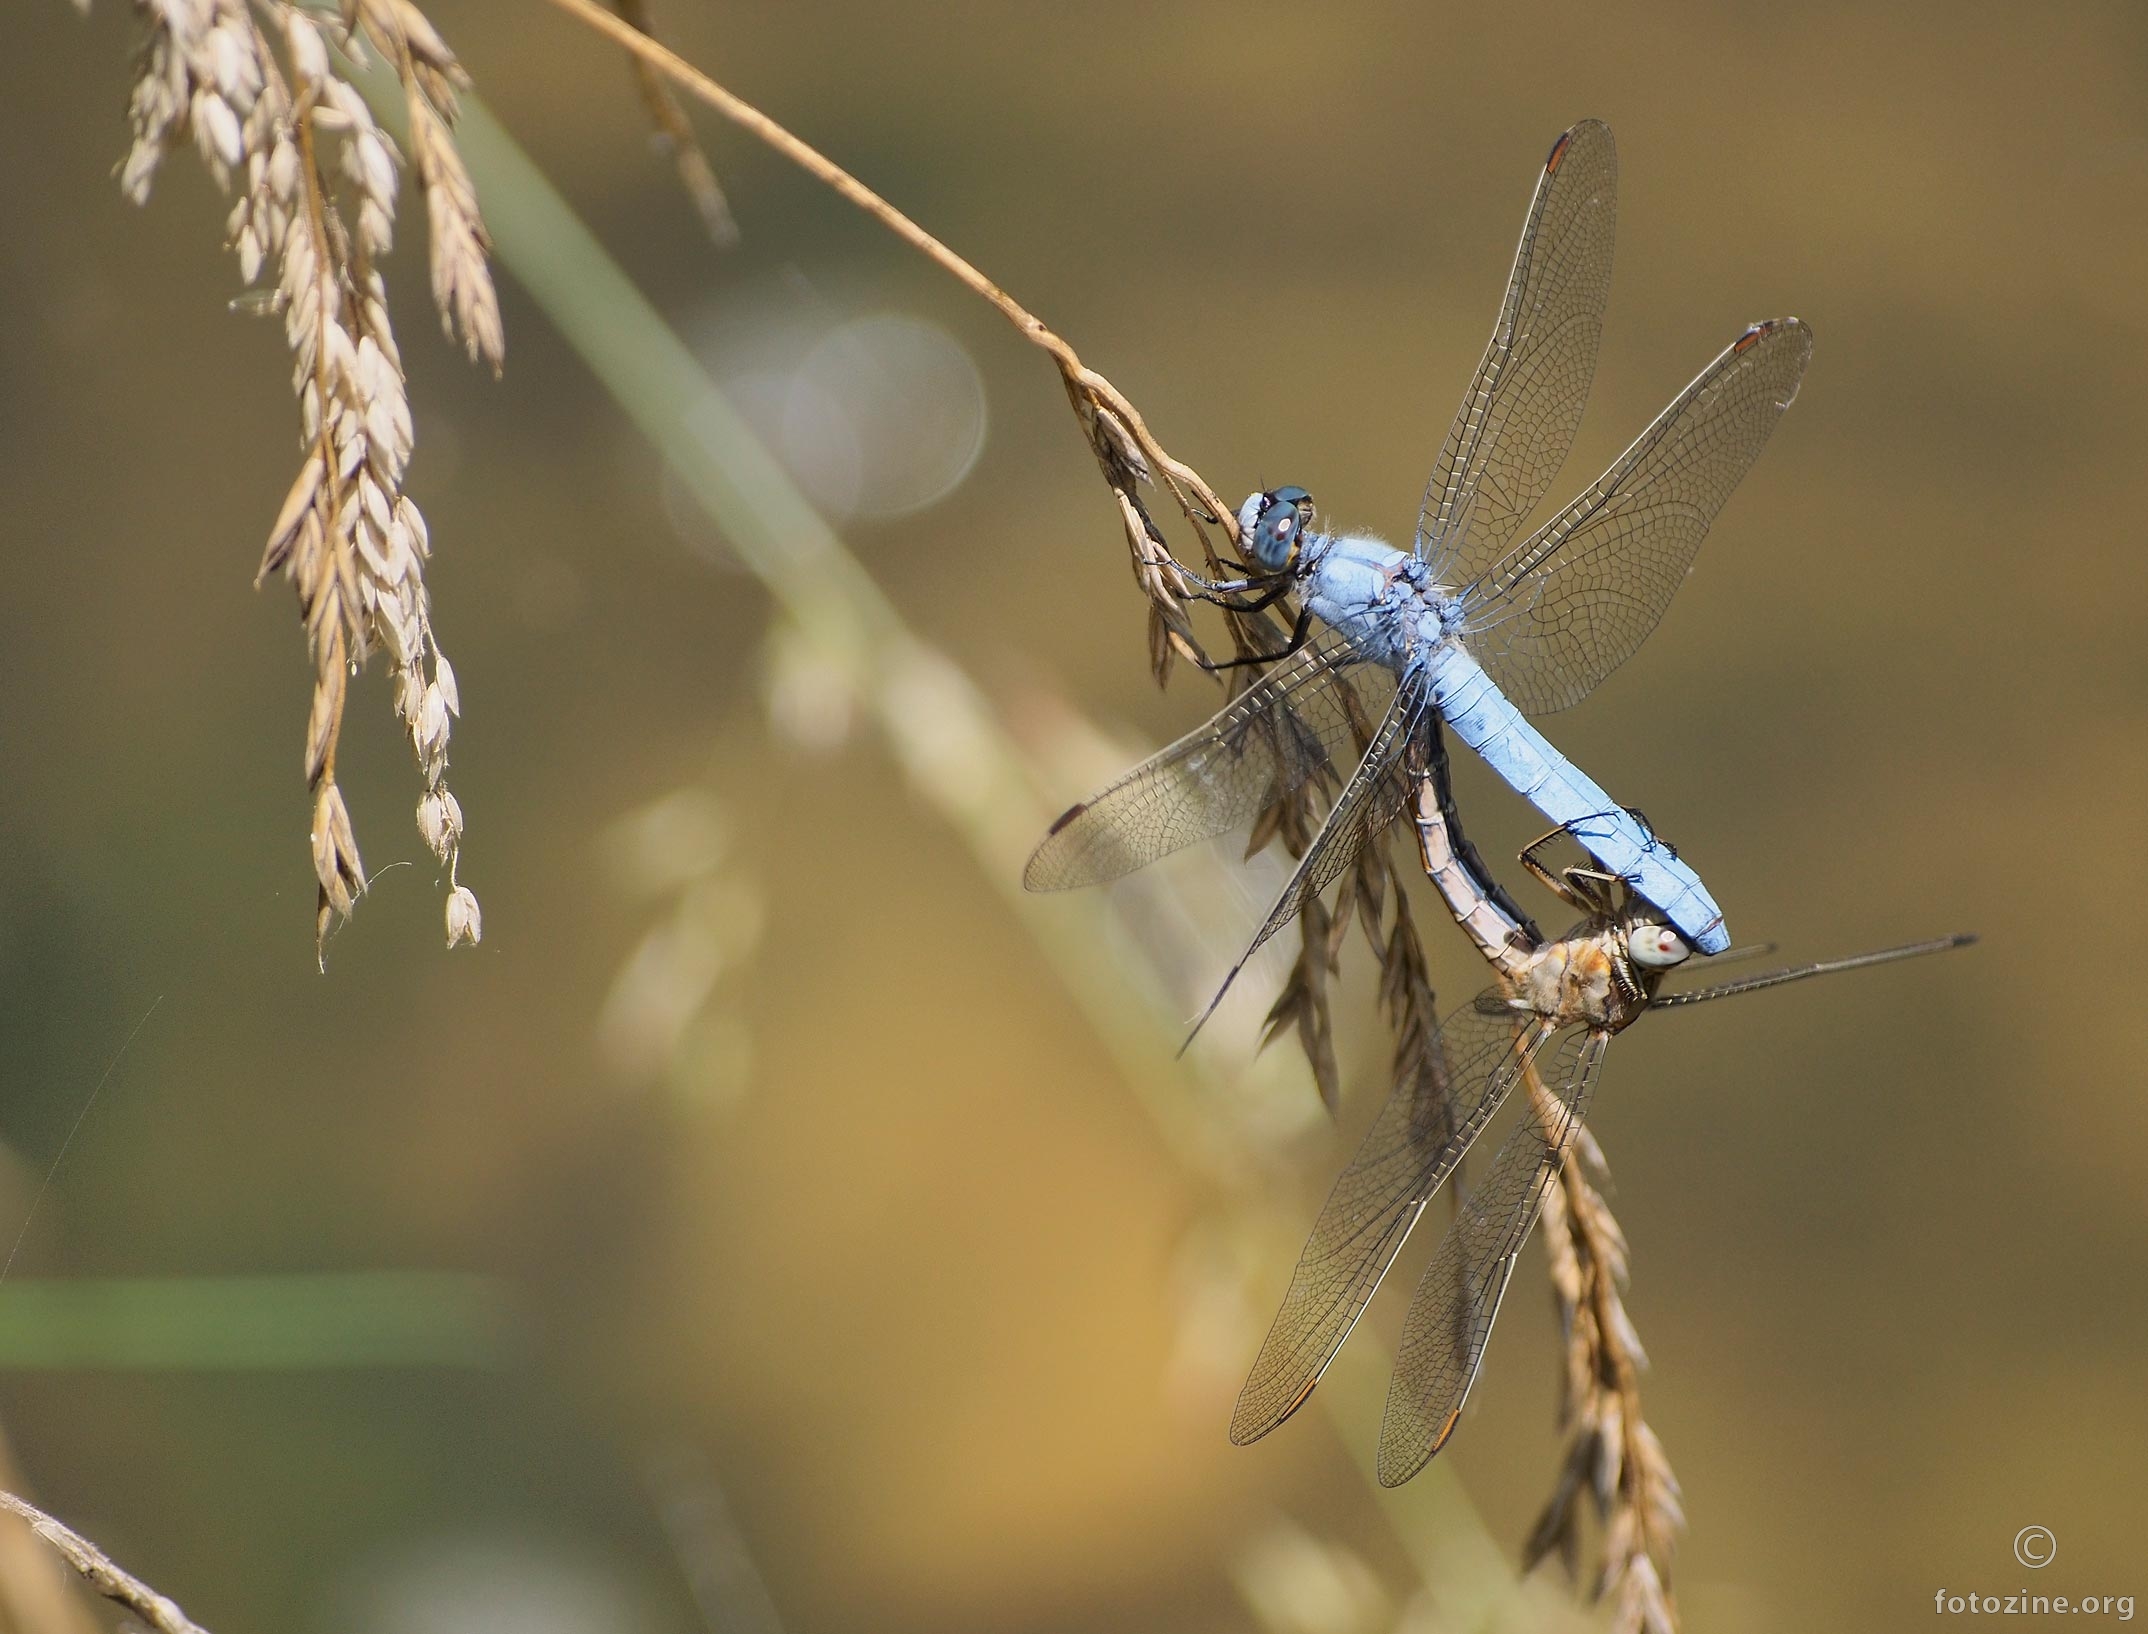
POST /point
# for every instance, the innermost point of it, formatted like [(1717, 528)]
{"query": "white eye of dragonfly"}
[(1656, 946)]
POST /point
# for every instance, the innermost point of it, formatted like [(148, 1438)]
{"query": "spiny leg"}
[(1586, 890), (1298, 636), (1270, 587)]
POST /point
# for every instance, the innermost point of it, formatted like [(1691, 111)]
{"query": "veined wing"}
[(1517, 421), (1301, 720), (1422, 1132), (1570, 604), (1370, 802), (1451, 1315)]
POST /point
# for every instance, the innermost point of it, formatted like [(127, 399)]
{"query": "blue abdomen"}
[(1482, 717)]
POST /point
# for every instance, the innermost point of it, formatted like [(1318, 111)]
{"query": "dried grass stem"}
[(1127, 451), (102, 1573)]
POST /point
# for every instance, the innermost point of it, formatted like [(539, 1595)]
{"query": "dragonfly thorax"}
[(1379, 597), (1359, 585), (1595, 974)]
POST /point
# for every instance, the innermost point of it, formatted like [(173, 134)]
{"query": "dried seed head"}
[(1125, 465), (464, 922), (335, 850), (309, 52), (440, 823), (1611, 1452), (316, 211)]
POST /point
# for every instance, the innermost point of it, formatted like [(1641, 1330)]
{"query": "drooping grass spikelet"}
[(461, 269), (1405, 981), (200, 71), (1611, 1453), (316, 205)]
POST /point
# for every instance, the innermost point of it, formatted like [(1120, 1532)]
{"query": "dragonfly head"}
[(1270, 526), (1653, 945)]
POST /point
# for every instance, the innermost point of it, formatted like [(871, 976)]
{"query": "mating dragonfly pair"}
[(1473, 630)]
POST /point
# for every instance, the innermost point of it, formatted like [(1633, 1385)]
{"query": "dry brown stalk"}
[(1127, 453), (36, 1595), (317, 203), (1130, 458), (1611, 1453), (98, 1569), (674, 136)]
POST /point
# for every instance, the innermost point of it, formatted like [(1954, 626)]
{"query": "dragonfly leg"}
[(1648, 828), (1596, 886), (1268, 586), (1256, 604), (1297, 640), (1586, 890)]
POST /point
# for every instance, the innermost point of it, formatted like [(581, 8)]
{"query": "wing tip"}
[(1041, 873), (1394, 1470), (1573, 133), (1249, 1422), (1757, 332)]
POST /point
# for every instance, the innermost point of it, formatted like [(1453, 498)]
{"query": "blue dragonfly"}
[(1542, 1029), (1471, 625)]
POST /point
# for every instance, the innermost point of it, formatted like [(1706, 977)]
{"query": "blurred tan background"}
[(885, 1300)]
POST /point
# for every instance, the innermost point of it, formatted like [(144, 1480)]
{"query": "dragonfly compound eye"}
[(1273, 539), (1657, 946)]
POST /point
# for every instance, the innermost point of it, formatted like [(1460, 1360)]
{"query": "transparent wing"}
[(1422, 1132), (1570, 604), (1518, 418), (1451, 1315), (1371, 801), (1305, 718)]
